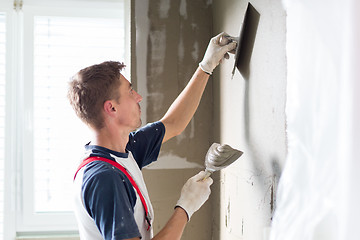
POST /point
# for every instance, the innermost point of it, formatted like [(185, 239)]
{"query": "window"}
[(62, 46), (52, 41)]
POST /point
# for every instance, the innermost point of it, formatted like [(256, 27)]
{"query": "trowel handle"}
[(207, 174)]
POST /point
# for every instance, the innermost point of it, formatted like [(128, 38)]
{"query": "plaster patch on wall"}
[(195, 51), (158, 50), (181, 50), (192, 128), (170, 161), (194, 26), (164, 7), (183, 135), (180, 137), (182, 9), (157, 100)]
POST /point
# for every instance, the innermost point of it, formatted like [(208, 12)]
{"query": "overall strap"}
[(122, 169)]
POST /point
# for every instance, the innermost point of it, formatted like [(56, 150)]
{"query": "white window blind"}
[(62, 46), (2, 119)]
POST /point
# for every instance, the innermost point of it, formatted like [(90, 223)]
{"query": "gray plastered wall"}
[(171, 38)]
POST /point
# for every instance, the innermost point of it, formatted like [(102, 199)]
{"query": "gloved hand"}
[(194, 193), (216, 51)]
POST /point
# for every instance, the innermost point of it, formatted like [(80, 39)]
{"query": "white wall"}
[(319, 194)]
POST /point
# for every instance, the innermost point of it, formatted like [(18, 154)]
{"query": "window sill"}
[(49, 237)]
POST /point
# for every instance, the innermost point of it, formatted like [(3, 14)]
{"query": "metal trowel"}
[(219, 157)]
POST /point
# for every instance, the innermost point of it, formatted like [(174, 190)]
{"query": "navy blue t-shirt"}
[(108, 195)]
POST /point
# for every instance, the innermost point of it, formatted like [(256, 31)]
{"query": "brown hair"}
[(91, 87)]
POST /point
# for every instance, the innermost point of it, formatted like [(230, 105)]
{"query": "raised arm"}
[(183, 108)]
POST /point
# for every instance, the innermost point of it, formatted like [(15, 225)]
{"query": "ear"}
[(109, 108)]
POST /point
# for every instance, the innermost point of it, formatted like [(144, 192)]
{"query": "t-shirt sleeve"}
[(110, 199), (146, 142)]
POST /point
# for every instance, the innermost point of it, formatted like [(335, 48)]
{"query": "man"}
[(111, 200)]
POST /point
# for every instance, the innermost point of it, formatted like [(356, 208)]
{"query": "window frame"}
[(19, 165), (11, 161)]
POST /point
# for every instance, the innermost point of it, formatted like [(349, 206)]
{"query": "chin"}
[(139, 124)]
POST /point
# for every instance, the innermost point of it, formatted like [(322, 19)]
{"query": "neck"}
[(111, 139)]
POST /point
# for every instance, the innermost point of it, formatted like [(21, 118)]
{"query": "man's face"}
[(127, 106)]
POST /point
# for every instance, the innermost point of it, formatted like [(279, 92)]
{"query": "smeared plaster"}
[(195, 51), (164, 7), (158, 50), (180, 138), (181, 49), (183, 136), (194, 26), (192, 128), (176, 39), (182, 9), (157, 100)]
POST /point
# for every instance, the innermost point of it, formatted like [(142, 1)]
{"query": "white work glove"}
[(217, 51), (194, 193)]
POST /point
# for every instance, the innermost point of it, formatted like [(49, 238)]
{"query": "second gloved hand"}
[(194, 193), (216, 51)]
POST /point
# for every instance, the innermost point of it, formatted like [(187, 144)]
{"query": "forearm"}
[(184, 107), (174, 228)]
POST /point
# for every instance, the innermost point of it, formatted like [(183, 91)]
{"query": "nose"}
[(138, 97)]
